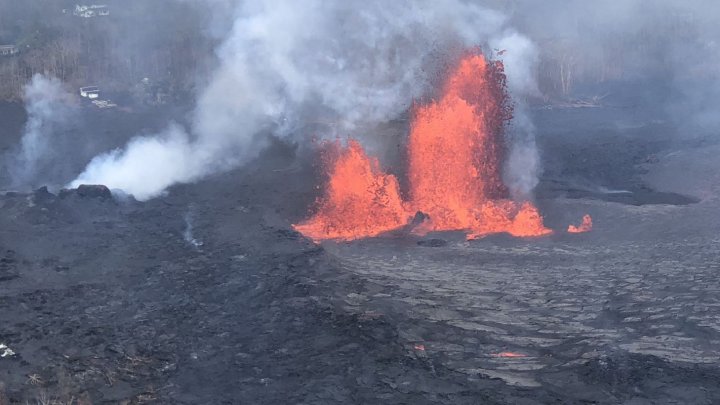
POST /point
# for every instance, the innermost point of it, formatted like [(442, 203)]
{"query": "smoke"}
[(286, 63), (188, 232), (522, 168), (660, 54), (49, 110), (147, 165)]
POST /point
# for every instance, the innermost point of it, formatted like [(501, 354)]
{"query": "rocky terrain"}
[(206, 295)]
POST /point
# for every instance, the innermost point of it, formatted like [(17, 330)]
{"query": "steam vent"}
[(409, 202)]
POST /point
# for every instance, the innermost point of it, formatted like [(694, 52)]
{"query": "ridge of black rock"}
[(97, 191)]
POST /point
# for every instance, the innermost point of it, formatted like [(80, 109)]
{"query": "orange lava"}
[(585, 226), (509, 354), (456, 149), (455, 154), (360, 200)]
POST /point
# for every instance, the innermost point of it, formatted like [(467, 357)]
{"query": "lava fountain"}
[(360, 200), (455, 154), (456, 149)]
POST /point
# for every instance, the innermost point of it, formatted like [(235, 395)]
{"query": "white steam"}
[(287, 62), (48, 106), (147, 165), (522, 168), (188, 232)]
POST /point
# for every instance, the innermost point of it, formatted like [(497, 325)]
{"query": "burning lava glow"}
[(360, 200), (585, 226), (509, 355), (455, 155)]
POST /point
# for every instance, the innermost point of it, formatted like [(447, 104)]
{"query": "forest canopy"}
[(162, 40)]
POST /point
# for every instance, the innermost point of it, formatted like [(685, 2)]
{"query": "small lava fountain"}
[(360, 200), (585, 226)]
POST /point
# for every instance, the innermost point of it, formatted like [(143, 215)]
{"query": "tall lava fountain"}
[(455, 154)]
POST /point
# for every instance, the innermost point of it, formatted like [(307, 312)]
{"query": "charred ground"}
[(106, 299)]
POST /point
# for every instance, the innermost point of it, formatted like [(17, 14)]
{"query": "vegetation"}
[(167, 42), (162, 40)]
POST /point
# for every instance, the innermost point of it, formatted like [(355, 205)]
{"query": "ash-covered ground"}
[(207, 295)]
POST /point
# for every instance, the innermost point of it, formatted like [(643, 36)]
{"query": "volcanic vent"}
[(456, 149)]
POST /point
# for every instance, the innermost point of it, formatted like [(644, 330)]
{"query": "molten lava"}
[(456, 149), (585, 226), (455, 155), (512, 355), (360, 200)]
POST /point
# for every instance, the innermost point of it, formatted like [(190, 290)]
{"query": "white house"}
[(93, 10), (91, 92), (7, 50)]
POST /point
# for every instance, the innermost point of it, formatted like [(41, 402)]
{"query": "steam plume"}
[(48, 109), (188, 232), (522, 168), (284, 62)]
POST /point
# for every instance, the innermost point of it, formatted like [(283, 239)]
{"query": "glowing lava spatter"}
[(511, 355), (585, 226), (455, 152), (360, 200)]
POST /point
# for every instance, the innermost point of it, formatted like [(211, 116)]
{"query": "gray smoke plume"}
[(663, 53), (285, 63), (522, 168), (48, 107), (188, 232)]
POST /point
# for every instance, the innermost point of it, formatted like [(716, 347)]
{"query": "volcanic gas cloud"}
[(455, 154)]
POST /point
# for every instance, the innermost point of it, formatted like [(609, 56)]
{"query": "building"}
[(93, 10), (7, 50), (91, 92)]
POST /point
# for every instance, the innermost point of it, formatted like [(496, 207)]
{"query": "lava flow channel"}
[(455, 154)]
